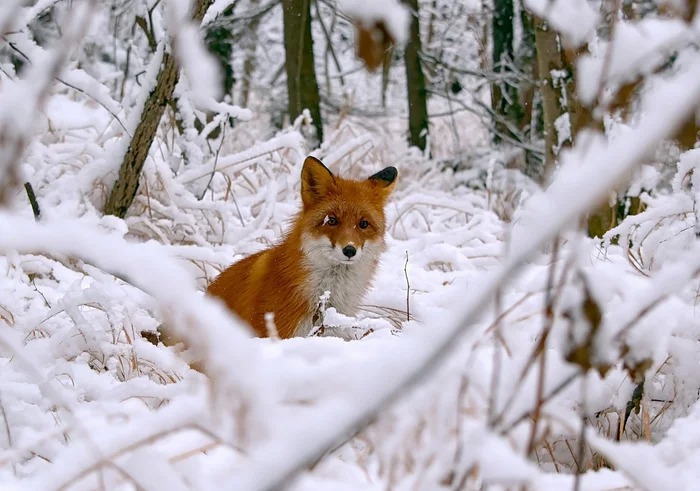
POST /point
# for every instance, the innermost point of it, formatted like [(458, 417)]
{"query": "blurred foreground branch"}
[(601, 169)]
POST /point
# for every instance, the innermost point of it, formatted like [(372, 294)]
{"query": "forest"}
[(532, 323)]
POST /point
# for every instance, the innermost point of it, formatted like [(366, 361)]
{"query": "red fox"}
[(333, 245)]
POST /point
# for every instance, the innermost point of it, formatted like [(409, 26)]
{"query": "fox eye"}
[(332, 221), (363, 224)]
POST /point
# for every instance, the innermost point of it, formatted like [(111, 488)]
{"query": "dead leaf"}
[(582, 354), (637, 369), (687, 134), (372, 43)]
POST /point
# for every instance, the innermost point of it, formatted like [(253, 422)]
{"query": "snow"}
[(563, 127), (575, 20), (636, 49), (82, 81), (442, 396), (199, 66), (217, 7)]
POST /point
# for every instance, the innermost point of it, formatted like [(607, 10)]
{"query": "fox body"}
[(333, 245)]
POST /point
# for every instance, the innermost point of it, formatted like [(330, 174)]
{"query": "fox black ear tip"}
[(388, 175)]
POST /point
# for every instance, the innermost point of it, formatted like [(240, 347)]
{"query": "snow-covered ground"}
[(88, 402), (465, 371)]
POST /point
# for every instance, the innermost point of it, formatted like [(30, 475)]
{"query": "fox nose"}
[(349, 251)]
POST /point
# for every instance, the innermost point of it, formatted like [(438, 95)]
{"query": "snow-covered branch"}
[(598, 164)]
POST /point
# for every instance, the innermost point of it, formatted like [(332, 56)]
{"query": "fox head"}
[(343, 220)]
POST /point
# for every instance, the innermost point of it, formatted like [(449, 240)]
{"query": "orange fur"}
[(288, 279)]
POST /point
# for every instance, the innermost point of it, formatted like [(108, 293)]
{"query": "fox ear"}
[(385, 179), (316, 181)]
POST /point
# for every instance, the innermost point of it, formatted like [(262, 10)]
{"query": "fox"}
[(333, 245)]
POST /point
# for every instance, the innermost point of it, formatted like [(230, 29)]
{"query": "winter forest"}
[(532, 325)]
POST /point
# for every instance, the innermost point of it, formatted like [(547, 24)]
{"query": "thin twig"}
[(581, 467), (546, 329), (496, 371), (46, 302), (642, 313), (554, 392), (26, 58), (536, 350), (330, 45), (408, 290), (115, 116), (109, 459), (32, 201), (10, 443), (216, 161)]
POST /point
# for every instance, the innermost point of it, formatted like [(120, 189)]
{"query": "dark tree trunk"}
[(220, 42), (526, 61), (531, 121), (127, 184), (302, 86), (504, 93), (415, 80), (250, 43)]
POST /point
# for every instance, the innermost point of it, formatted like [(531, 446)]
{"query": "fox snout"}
[(349, 251)]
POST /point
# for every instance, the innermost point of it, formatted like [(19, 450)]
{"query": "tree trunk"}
[(302, 86), (557, 84), (250, 57), (386, 69), (415, 81), (127, 184), (526, 61), (550, 66), (531, 123), (220, 42), (504, 94)]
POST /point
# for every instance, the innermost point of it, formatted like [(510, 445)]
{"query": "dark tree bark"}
[(513, 91), (386, 69), (415, 81), (127, 184), (220, 42), (504, 94), (531, 123), (526, 61), (250, 43), (302, 86)]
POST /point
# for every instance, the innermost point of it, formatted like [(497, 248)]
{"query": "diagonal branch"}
[(601, 170)]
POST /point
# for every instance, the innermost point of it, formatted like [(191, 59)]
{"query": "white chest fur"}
[(347, 283)]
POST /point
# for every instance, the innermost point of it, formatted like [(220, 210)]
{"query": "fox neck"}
[(347, 283)]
